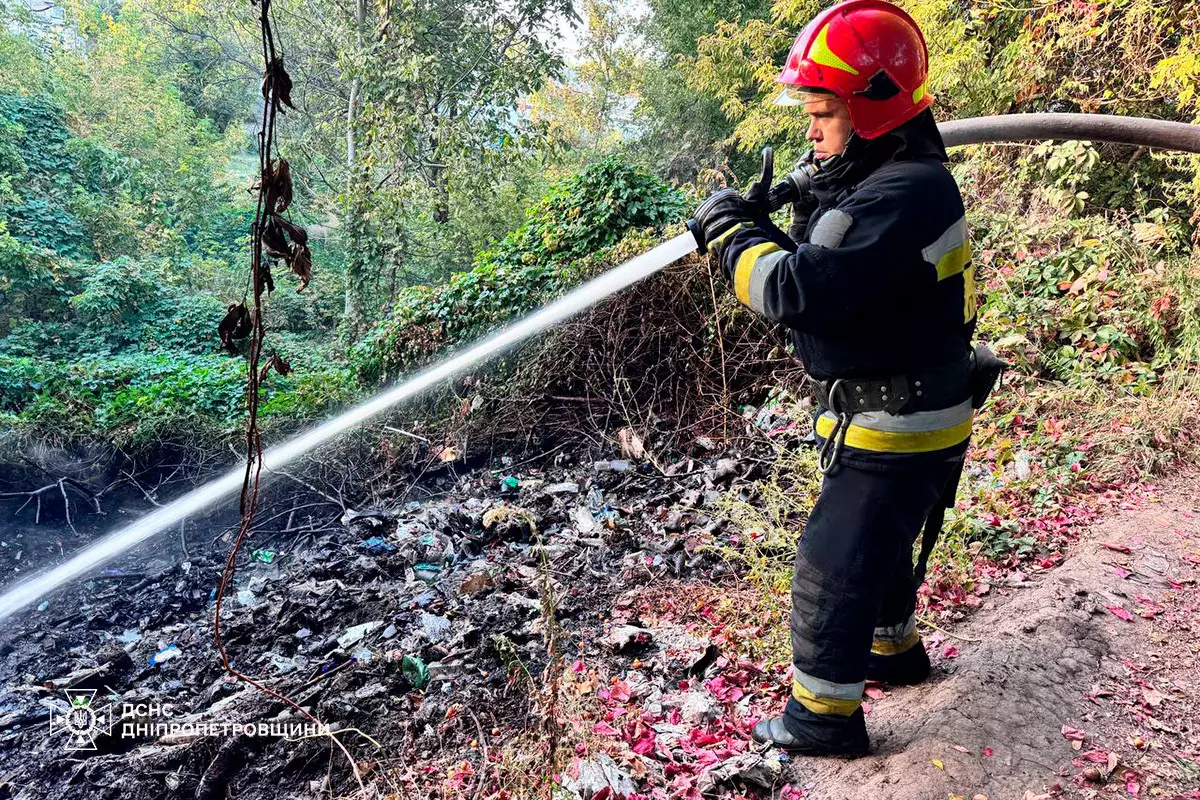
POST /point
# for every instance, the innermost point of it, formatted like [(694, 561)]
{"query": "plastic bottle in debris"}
[(616, 465)]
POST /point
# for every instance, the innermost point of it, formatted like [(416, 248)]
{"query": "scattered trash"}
[(284, 664), (355, 634), (509, 522), (625, 636), (426, 572), (435, 628), (599, 778), (246, 597), (595, 499), (583, 520), (619, 465), (476, 583), (265, 556), (42, 606), (510, 485), (414, 671), (377, 544), (723, 470), (129, 636), (568, 487), (751, 768), (165, 654), (1021, 463)]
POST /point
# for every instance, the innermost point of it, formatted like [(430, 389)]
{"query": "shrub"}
[(564, 234)]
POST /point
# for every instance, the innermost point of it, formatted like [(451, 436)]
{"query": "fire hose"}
[(1017, 127)]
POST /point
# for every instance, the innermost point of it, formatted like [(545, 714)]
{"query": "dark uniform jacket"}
[(880, 285)]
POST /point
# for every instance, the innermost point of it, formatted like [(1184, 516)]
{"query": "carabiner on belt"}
[(831, 448)]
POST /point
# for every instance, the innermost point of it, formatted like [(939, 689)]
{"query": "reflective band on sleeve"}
[(825, 697), (716, 244), (921, 432), (895, 639), (951, 252), (970, 296), (764, 271), (830, 230), (744, 270)]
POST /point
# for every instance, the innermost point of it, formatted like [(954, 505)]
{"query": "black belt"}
[(902, 394)]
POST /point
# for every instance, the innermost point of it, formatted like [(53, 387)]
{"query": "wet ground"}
[(421, 632)]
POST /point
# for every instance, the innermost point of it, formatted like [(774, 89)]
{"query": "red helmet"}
[(869, 53)]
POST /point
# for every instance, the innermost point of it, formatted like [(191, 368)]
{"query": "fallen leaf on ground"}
[(938, 764), (987, 752), (961, 749), (1073, 734), (950, 651), (1119, 548), (1120, 613), (604, 729)]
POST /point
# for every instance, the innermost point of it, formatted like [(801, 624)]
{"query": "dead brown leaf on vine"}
[(276, 363), (235, 324)]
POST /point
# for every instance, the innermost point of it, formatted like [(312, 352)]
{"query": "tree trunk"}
[(352, 307)]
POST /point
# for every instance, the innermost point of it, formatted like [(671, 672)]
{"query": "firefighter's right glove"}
[(719, 216)]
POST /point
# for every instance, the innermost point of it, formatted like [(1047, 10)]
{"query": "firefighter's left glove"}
[(717, 216)]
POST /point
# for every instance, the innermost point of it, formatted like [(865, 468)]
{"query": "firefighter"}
[(874, 281)]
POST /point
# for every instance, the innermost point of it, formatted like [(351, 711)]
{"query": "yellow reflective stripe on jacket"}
[(970, 297), (902, 441), (744, 269), (951, 253)]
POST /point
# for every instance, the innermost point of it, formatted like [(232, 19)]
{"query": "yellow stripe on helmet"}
[(821, 54)]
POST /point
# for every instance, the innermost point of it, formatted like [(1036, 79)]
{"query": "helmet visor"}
[(805, 97)]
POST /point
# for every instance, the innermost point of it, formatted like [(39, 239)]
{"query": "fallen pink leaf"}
[(1119, 548), (1122, 573), (950, 651), (987, 752), (604, 729), (1073, 734), (874, 693), (1120, 613)]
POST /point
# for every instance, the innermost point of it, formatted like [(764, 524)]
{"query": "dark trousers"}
[(854, 570)]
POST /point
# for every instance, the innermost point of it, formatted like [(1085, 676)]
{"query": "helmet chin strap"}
[(847, 154)]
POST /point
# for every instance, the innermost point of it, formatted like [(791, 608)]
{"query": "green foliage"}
[(1090, 300), (138, 398), (562, 236)]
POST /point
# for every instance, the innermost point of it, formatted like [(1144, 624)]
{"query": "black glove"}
[(716, 215), (727, 208)]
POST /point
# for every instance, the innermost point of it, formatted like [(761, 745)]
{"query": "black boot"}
[(902, 669), (802, 732)]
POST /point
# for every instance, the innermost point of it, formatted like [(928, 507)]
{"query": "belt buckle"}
[(896, 396), (836, 404)]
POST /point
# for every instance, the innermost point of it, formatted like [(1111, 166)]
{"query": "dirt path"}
[(1095, 657)]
